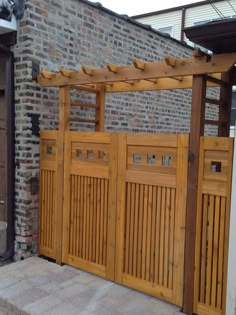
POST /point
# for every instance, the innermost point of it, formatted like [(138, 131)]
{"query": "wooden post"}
[(100, 111), (226, 104), (64, 125), (196, 130)]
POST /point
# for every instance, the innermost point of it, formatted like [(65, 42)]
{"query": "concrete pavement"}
[(35, 286)]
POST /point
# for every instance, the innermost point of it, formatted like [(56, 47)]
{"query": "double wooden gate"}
[(124, 207), (124, 211)]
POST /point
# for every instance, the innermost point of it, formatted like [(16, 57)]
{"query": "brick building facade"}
[(70, 34)]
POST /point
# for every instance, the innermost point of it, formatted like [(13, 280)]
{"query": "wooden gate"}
[(124, 207), (89, 213), (151, 214), (214, 187)]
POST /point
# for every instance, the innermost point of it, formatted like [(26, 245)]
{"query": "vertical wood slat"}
[(167, 231), (210, 251), (131, 229), (171, 241), (140, 229), (215, 251), (144, 234), (98, 219), (221, 255), (105, 225), (162, 231), (153, 233), (212, 226), (136, 218), (158, 226), (202, 256), (80, 218), (91, 214), (127, 229), (149, 230), (102, 223)]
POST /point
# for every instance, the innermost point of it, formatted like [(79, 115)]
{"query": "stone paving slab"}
[(35, 286)]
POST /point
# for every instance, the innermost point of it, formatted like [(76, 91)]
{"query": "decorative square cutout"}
[(90, 155), (49, 149), (166, 160), (79, 154), (151, 159), (136, 158), (216, 167), (102, 155)]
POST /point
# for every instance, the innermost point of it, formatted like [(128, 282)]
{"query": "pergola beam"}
[(152, 70)]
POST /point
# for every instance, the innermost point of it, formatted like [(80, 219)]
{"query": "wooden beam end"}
[(139, 64), (170, 61), (66, 73), (197, 54), (48, 75), (112, 68), (86, 70)]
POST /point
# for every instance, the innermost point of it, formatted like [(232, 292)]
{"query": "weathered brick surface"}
[(69, 34)]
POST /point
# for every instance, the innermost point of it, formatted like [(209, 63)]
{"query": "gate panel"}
[(90, 202), (48, 180), (151, 209), (214, 187)]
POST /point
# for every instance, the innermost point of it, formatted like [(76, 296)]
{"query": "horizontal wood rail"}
[(88, 121), (213, 101), (79, 104), (177, 78), (216, 81), (84, 88), (214, 122)]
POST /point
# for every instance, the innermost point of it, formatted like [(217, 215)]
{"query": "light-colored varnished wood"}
[(89, 214), (151, 214), (211, 249), (48, 193), (168, 68)]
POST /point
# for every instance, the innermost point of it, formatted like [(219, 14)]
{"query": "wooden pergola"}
[(196, 73)]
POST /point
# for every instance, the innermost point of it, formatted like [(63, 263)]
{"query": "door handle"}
[(2, 202)]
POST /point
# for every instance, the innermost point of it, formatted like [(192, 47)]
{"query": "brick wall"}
[(69, 34)]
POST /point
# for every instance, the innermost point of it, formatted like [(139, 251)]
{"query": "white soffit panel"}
[(6, 26)]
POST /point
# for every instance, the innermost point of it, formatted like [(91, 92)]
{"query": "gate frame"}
[(197, 73)]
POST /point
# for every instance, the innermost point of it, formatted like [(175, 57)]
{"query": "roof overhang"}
[(217, 36)]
